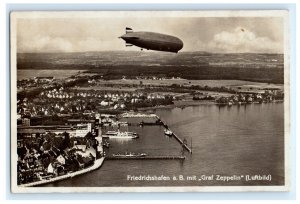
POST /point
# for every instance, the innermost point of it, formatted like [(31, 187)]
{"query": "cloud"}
[(45, 43), (64, 44), (198, 34), (96, 44), (242, 40)]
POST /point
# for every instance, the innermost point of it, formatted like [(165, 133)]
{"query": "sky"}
[(210, 34)]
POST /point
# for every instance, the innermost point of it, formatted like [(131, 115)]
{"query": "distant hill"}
[(190, 65)]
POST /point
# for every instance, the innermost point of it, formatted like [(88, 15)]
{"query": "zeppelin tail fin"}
[(128, 30)]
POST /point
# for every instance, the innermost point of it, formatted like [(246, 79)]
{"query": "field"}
[(104, 88), (125, 84), (188, 65), (210, 83)]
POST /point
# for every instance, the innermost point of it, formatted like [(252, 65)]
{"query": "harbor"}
[(198, 124), (151, 139), (169, 146), (89, 158), (159, 122), (143, 156)]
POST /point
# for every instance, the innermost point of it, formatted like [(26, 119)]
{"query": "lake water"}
[(57, 73), (237, 140)]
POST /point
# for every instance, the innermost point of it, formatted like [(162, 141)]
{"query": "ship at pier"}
[(120, 135), (168, 132)]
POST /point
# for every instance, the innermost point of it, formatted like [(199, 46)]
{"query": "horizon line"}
[(148, 52)]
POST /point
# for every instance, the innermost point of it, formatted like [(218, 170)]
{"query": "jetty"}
[(182, 142), (184, 145), (146, 158)]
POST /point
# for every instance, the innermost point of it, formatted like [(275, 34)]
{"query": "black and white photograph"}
[(150, 101)]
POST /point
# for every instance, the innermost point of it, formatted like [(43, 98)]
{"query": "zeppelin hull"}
[(153, 41)]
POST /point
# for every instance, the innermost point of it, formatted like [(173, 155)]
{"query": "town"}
[(44, 154), (48, 97), (60, 120)]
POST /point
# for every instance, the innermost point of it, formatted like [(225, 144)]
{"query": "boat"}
[(168, 132), (120, 135), (130, 155)]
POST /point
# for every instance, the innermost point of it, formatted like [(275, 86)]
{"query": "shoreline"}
[(183, 104), (179, 104), (97, 164)]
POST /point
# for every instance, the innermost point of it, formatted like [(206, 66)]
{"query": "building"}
[(83, 129), (43, 79), (30, 131), (61, 159), (26, 122)]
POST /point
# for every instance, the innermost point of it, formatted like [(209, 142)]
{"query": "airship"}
[(152, 41)]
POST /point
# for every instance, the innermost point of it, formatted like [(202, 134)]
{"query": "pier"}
[(184, 145), (146, 158)]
